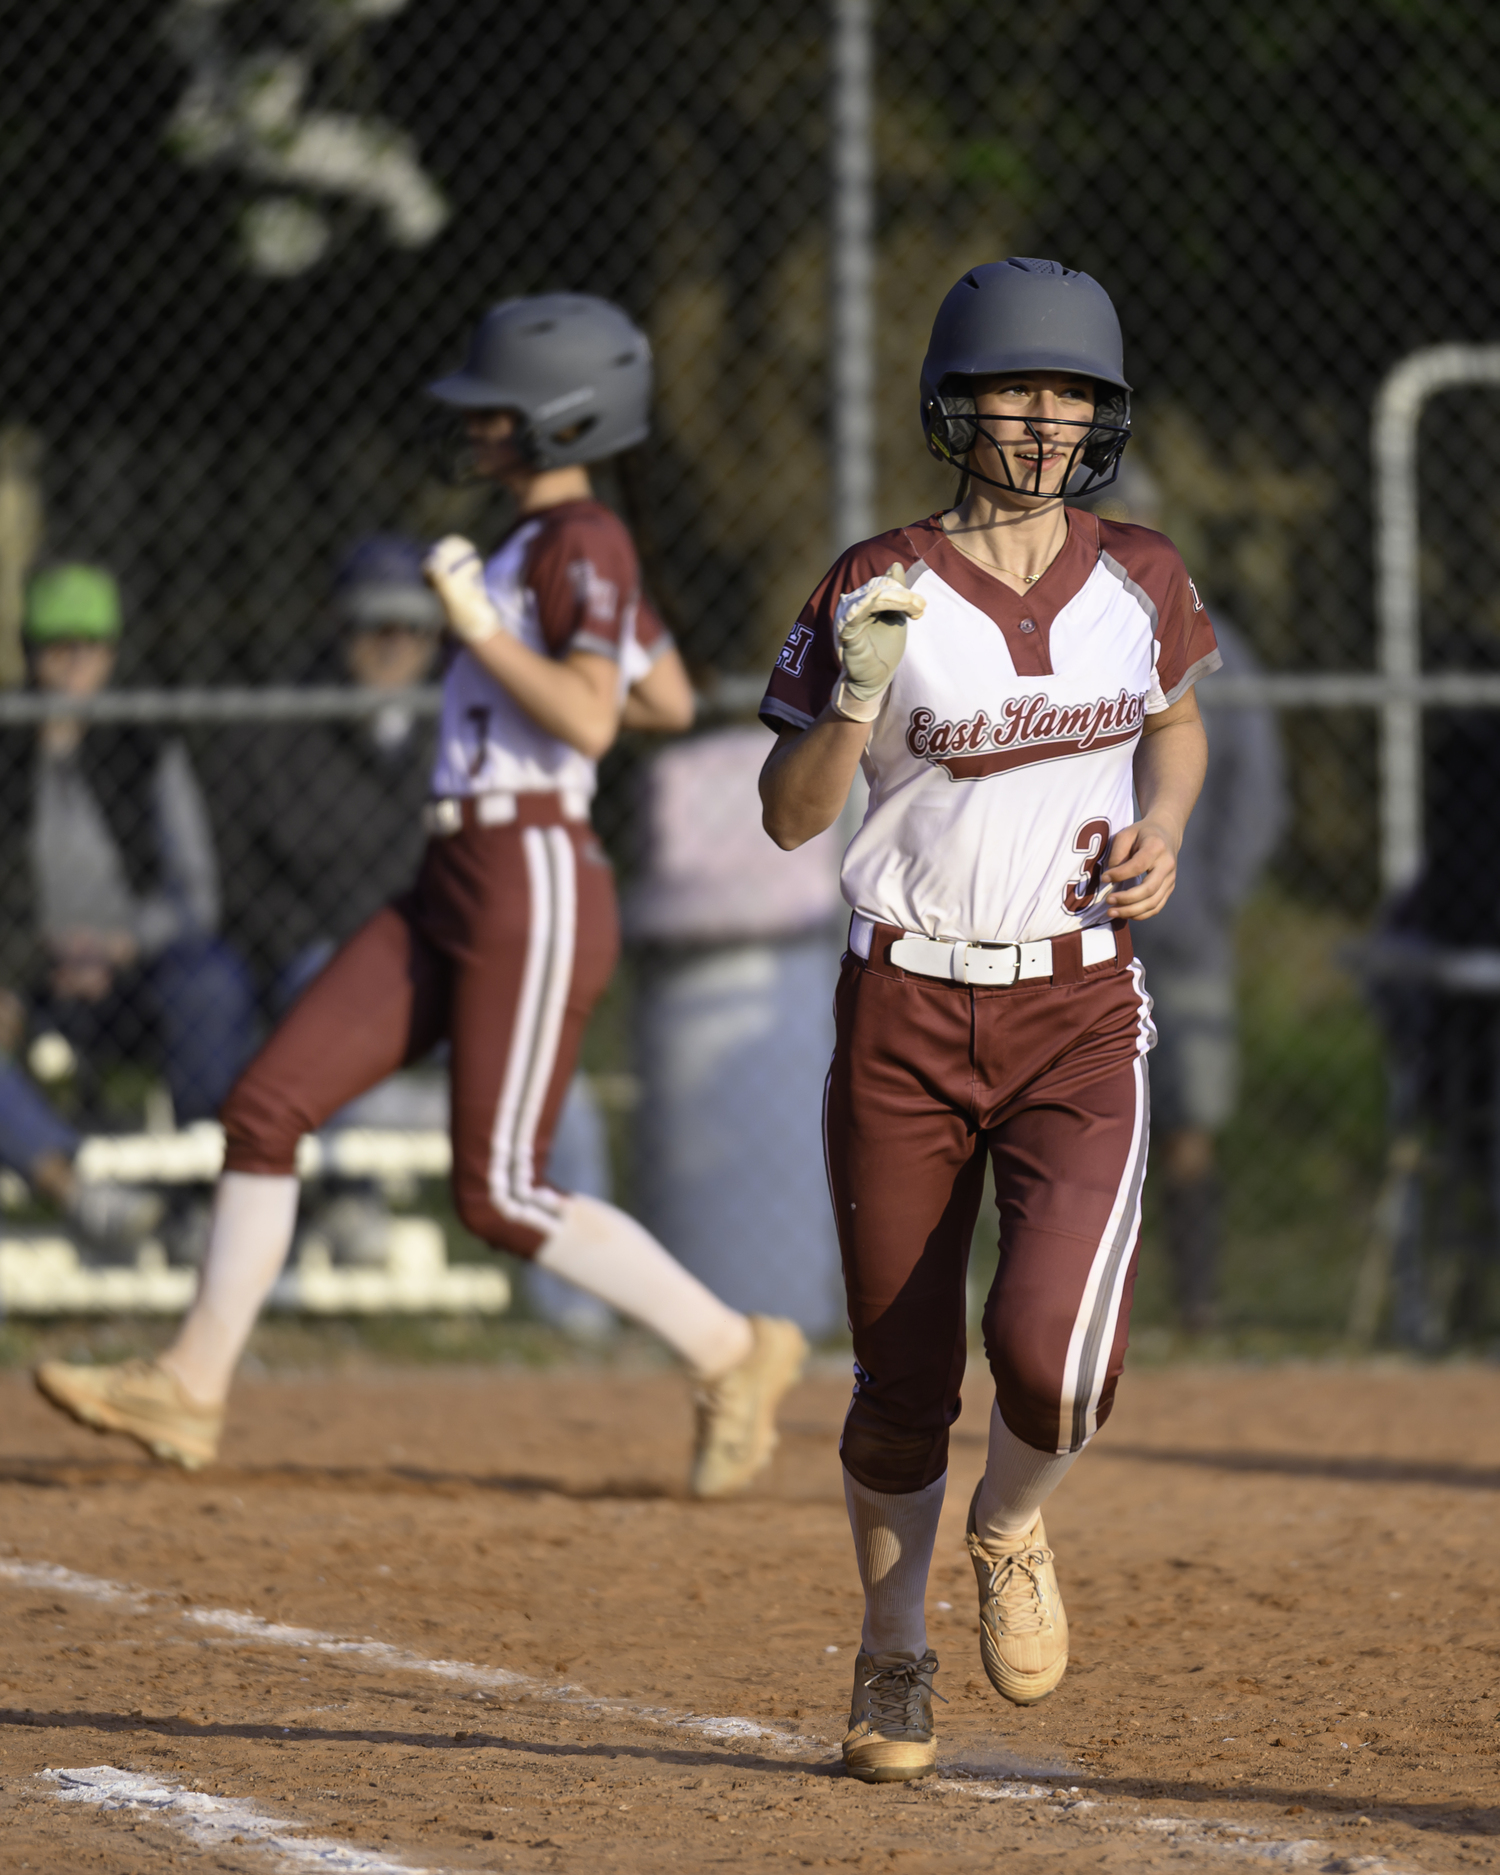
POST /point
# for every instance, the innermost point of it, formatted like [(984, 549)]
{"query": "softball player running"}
[(509, 934), (1005, 673)]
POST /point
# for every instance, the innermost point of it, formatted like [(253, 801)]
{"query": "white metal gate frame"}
[(1398, 412)]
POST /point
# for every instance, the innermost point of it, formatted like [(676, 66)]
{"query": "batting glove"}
[(871, 627), (455, 572)]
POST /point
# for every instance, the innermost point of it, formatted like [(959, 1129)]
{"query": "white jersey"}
[(1000, 764), (564, 580)]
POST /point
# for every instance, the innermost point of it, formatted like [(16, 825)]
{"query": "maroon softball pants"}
[(1048, 1080), (503, 946)]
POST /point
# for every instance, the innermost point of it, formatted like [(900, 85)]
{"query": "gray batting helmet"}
[(1026, 315), (575, 368)]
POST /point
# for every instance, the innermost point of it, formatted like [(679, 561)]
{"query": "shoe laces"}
[(719, 1405), (896, 1694), (1015, 1586)]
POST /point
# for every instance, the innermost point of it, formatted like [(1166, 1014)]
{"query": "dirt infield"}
[(1282, 1587)]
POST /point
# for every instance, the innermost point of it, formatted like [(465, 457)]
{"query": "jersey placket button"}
[(1028, 624)]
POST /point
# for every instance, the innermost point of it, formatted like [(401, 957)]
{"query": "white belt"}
[(498, 808), (955, 960)]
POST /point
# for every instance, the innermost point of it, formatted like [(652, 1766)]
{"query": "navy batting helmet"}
[(575, 369), (1026, 315)]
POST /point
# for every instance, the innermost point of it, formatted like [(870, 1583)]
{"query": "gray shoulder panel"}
[(784, 712), (1142, 598), (1203, 668)]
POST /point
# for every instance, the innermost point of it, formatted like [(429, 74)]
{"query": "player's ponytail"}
[(633, 474)]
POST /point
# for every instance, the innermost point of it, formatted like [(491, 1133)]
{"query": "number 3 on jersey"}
[(1092, 840)]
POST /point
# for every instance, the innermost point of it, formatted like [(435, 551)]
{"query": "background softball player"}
[(1005, 673), (510, 933)]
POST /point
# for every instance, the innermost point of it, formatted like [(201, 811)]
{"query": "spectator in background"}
[(323, 820), (1188, 951), (37, 1143), (110, 883)]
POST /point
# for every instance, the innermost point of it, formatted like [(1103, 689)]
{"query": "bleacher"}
[(43, 1271)]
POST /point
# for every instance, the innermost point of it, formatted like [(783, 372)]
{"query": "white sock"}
[(602, 1250), (1018, 1480), (893, 1539), (254, 1216)]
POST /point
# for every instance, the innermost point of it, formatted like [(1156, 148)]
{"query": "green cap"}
[(72, 602)]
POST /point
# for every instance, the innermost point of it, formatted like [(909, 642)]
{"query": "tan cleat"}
[(890, 1736), (737, 1412), (1023, 1627), (140, 1399)]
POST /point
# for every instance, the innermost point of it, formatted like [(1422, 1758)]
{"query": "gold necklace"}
[(992, 566)]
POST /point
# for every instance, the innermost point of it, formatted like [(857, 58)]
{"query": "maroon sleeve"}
[(1186, 648), (583, 573), (808, 666)]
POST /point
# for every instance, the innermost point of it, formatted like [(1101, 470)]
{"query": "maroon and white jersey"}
[(1000, 764), (564, 580)]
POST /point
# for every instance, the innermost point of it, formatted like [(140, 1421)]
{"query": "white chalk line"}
[(1237, 1839), (214, 1822), (1244, 1839), (219, 1822), (380, 1654), (1221, 1835)]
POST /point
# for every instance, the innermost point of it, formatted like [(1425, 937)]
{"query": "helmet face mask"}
[(954, 426), (448, 446), (461, 454), (1022, 315)]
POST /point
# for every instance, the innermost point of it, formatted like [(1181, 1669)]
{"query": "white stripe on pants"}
[(1099, 1307), (548, 972)]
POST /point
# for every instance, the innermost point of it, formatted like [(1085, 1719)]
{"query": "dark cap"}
[(380, 583)]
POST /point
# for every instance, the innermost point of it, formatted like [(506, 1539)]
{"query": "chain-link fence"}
[(237, 237)]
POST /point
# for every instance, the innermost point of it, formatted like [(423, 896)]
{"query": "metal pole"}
[(311, 703), (1398, 411), (852, 312), (730, 693)]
